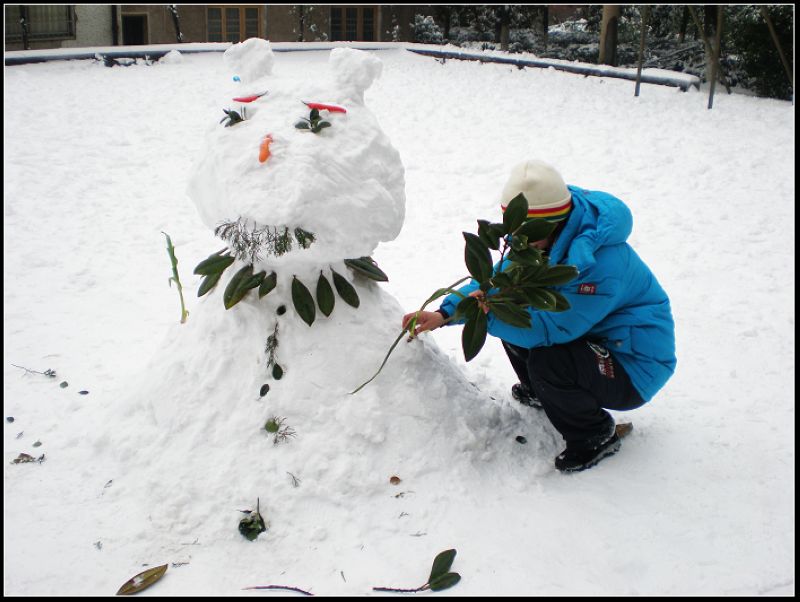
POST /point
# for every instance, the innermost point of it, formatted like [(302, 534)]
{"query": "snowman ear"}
[(250, 60), (354, 71)]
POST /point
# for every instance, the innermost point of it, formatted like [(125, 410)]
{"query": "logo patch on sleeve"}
[(587, 289)]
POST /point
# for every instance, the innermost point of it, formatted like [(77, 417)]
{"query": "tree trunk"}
[(645, 15), (545, 24), (717, 53), (608, 34), (504, 35), (709, 20), (684, 24), (302, 14)]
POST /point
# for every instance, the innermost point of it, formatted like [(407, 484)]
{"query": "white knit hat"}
[(544, 189)]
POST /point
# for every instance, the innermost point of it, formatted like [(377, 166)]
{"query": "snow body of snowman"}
[(201, 414)]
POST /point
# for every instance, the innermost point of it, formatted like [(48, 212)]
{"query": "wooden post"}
[(608, 34), (709, 51), (645, 15), (778, 46), (715, 59), (23, 23)]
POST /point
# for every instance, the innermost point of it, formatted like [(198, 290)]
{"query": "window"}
[(353, 23), (232, 23), (44, 22)]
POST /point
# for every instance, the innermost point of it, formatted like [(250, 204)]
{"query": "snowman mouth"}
[(249, 240)]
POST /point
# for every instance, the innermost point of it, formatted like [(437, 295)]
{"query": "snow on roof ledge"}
[(154, 51)]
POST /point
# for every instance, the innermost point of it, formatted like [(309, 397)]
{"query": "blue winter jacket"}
[(615, 299)]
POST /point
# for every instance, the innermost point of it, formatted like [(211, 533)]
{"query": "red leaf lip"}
[(333, 108), (249, 98)]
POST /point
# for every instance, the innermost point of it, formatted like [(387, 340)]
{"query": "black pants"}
[(574, 382)]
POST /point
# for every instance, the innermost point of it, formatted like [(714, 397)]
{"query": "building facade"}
[(71, 26)]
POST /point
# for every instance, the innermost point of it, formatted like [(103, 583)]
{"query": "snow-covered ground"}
[(700, 500)]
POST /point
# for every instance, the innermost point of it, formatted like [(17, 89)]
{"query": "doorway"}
[(134, 30)]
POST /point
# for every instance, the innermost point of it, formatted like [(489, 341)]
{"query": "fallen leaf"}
[(143, 580), (395, 480)]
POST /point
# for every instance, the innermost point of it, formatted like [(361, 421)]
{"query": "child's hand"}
[(481, 300), (426, 320)]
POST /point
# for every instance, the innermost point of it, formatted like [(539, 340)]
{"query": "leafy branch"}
[(253, 523), (524, 281), (440, 577), (233, 117)]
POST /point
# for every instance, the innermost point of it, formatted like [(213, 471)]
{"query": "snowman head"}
[(343, 183)]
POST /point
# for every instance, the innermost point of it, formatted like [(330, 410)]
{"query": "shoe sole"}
[(537, 405), (609, 451)]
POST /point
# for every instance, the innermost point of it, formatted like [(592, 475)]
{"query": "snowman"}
[(300, 185)]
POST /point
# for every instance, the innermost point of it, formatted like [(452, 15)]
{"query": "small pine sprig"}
[(250, 241), (314, 123), (276, 426)]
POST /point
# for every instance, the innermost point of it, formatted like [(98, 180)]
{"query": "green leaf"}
[(303, 301), (474, 335), (366, 266), (519, 242), (502, 280), (302, 125), (268, 285), (252, 525), (536, 229), (345, 289), (511, 313), (515, 213), (541, 298), (208, 283), (255, 280), (277, 372), (235, 290), (467, 308), (325, 297), (561, 301), (477, 257), (557, 275), (314, 114), (214, 264), (142, 581), (442, 564), (527, 257), (445, 581), (489, 234)]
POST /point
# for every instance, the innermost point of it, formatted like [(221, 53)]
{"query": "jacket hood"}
[(597, 219)]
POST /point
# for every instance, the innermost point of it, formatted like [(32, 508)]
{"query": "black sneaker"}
[(580, 457), (525, 396)]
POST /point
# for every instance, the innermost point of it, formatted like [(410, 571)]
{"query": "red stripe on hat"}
[(552, 210), (546, 212)]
